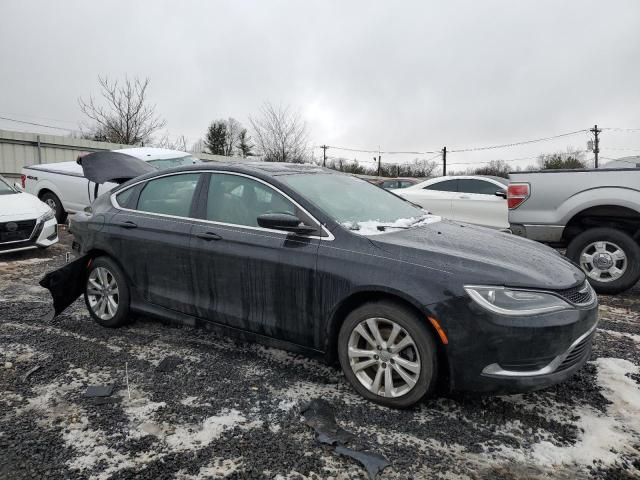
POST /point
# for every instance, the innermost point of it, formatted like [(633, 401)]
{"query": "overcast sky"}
[(399, 75)]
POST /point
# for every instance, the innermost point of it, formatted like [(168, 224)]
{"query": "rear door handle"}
[(127, 225), (466, 197), (208, 236)]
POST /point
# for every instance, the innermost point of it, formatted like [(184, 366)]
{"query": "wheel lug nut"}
[(379, 347), (376, 357), (384, 365)]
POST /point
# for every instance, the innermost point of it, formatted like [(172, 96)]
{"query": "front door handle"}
[(466, 197), (127, 224), (208, 236)]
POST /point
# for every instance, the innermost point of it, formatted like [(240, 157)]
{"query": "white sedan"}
[(25, 221), (472, 199)]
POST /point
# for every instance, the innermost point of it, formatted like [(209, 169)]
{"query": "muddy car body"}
[(412, 305)]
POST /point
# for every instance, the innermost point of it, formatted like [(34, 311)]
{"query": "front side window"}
[(241, 200), (444, 186), (169, 195), (481, 187)]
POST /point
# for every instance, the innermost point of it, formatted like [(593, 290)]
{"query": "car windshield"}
[(164, 163), (356, 203), (5, 187)]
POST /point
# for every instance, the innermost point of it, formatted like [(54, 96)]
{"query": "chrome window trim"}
[(496, 370), (329, 237)]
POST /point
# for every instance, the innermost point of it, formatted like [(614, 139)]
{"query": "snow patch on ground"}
[(188, 437), (604, 436), (635, 338)]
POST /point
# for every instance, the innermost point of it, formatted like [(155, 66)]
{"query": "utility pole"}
[(379, 161), (444, 161), (596, 144), (324, 155)]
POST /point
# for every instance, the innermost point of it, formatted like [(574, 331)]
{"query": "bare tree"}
[(281, 135), (180, 143), (233, 131), (124, 115)]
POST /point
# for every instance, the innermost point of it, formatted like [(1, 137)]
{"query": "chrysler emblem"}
[(11, 226)]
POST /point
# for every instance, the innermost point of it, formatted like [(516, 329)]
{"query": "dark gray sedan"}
[(312, 260)]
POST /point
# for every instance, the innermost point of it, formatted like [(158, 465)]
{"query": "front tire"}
[(610, 258), (388, 354), (107, 293)]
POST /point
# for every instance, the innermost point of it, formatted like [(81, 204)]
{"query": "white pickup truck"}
[(595, 214), (63, 187)]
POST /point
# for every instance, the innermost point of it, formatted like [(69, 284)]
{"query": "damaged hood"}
[(482, 256), (116, 167)]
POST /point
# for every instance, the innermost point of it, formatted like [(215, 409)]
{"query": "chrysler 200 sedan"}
[(312, 260)]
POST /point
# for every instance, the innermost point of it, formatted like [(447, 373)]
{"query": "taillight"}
[(517, 193), (23, 181)]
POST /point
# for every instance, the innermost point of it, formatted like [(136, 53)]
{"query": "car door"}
[(248, 277), (435, 197), (476, 202), (153, 231)]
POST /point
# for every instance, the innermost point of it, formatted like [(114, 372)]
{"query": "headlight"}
[(48, 216), (505, 301)]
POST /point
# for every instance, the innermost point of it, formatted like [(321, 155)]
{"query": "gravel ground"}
[(230, 410)]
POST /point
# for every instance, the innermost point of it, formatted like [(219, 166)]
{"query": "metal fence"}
[(21, 149)]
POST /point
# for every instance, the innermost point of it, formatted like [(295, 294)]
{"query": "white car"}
[(25, 222), (480, 200), (63, 187)]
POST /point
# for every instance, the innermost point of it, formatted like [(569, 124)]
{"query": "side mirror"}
[(501, 194), (284, 221)]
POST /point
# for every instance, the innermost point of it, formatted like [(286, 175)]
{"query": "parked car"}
[(312, 260), (394, 183), (25, 222), (595, 214), (480, 200), (63, 187)]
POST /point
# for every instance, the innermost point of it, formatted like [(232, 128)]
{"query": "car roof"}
[(264, 168), (152, 153)]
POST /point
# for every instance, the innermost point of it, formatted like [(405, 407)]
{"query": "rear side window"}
[(390, 184), (240, 200), (405, 184), (444, 186), (169, 195), (124, 198), (478, 186)]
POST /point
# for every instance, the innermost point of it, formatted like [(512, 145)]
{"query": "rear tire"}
[(52, 200), (106, 293), (412, 370), (597, 248)]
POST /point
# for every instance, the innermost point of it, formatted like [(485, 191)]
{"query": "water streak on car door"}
[(255, 279)]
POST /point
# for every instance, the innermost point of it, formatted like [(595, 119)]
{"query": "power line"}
[(524, 142), (36, 124), (622, 129)]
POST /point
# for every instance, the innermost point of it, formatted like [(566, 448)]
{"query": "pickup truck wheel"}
[(610, 258), (55, 204)]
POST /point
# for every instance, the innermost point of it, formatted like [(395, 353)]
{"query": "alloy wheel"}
[(102, 293), (384, 357), (603, 261)]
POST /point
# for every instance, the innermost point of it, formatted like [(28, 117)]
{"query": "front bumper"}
[(500, 354), (44, 235)]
